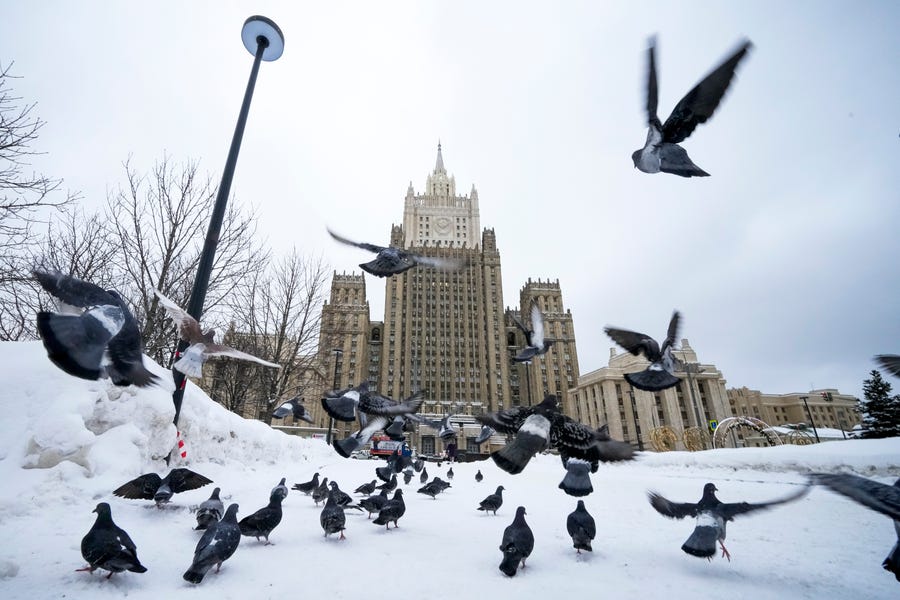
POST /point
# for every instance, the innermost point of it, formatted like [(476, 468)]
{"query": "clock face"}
[(442, 225)]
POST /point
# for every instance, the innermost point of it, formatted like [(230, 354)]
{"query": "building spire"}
[(439, 165)]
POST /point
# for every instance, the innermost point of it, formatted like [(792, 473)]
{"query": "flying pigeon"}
[(581, 527), (392, 510), (390, 485), (217, 544), (659, 375), (398, 461), (384, 473), (93, 335), (486, 432), (342, 404), (661, 151), (210, 511), (294, 407), (479, 476), (493, 501), (450, 473), (398, 428), (367, 488), (332, 517), (407, 476), (391, 261), (262, 522), (106, 546), (320, 493), (346, 446), (373, 504), (308, 486), (871, 494), (517, 544), (280, 489), (712, 517), (890, 363), (418, 464), (151, 487), (202, 347), (534, 337)]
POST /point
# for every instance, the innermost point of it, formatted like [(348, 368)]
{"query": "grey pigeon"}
[(871, 494), (390, 485), (341, 497), (418, 464), (517, 544), (106, 546), (391, 261), (430, 489), (348, 445), (890, 363), (398, 461), (534, 336), (217, 544), (201, 346), (392, 510), (659, 375), (384, 473), (450, 473), (332, 517), (407, 476), (294, 407), (661, 151), (484, 435), (479, 476), (151, 486), (581, 527), (93, 335), (493, 501), (210, 511), (262, 522), (320, 493), (373, 404), (280, 489), (366, 488), (373, 504), (343, 405), (423, 476), (308, 486), (712, 516)]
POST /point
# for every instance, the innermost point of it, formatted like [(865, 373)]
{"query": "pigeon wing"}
[(444, 264), (140, 488), (537, 327), (182, 480), (890, 363), (672, 332), (73, 291), (872, 494), (729, 511), (652, 88), (699, 104), (223, 350), (363, 245), (633, 342), (505, 421), (673, 510), (188, 327)]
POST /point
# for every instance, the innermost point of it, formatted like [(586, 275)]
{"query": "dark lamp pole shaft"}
[(204, 269)]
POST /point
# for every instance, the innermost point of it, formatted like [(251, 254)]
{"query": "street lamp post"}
[(337, 353), (264, 40), (809, 414)]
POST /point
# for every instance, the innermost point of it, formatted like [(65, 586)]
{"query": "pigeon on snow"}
[(210, 511), (391, 261), (262, 522), (308, 486), (93, 335), (217, 544), (280, 489), (418, 464), (450, 473), (367, 488), (294, 407), (423, 476), (390, 485), (346, 446), (341, 497), (320, 493), (493, 501), (392, 510), (659, 375), (872, 494), (479, 476), (431, 489), (407, 476), (202, 345), (712, 515), (534, 337), (106, 546), (890, 363), (661, 151), (581, 527), (373, 504), (151, 486), (332, 517), (517, 544)]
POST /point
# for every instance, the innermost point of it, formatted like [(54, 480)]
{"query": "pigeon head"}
[(710, 489), (215, 493), (103, 511)]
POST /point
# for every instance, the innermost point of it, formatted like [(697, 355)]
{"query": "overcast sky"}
[(783, 262)]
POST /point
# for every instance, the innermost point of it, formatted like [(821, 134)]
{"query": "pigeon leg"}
[(110, 575), (218, 566), (725, 552), (342, 536)]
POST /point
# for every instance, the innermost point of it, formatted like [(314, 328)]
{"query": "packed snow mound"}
[(53, 418)]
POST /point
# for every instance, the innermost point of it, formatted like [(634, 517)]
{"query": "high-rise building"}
[(445, 331)]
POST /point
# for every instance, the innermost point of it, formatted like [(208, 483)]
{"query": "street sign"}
[(713, 425)]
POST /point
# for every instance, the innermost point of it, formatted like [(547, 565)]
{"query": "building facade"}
[(827, 408)]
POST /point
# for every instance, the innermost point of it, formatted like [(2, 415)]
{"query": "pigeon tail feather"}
[(702, 542), (650, 380), (577, 481)]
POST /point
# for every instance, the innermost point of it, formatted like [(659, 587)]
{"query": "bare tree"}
[(26, 199), (279, 313), (159, 222)]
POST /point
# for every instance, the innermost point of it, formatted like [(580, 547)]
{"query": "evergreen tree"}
[(880, 410)]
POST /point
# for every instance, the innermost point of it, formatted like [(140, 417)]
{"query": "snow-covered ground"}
[(65, 444)]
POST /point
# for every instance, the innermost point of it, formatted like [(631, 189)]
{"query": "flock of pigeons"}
[(94, 335)]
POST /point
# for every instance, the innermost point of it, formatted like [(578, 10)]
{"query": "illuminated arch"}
[(663, 438), (695, 439), (726, 425)]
